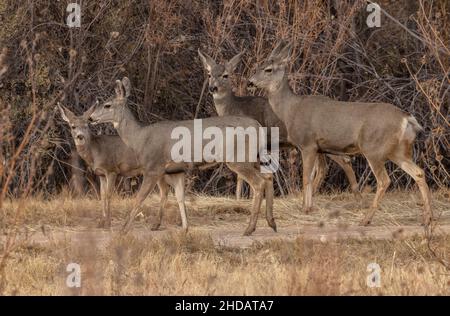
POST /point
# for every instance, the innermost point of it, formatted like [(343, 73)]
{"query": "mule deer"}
[(318, 124), (153, 145), (108, 157), (258, 108)]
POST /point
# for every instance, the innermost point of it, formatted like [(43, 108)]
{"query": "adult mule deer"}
[(258, 108), (153, 145), (108, 157), (318, 124)]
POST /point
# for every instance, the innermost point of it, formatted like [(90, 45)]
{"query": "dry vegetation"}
[(154, 43), (180, 264), (64, 211), (171, 262)]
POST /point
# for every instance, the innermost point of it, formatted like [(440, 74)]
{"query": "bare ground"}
[(335, 217), (323, 253), (229, 237)]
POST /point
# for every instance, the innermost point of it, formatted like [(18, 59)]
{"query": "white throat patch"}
[(80, 142)]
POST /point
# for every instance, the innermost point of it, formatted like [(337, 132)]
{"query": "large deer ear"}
[(119, 89), (126, 83), (66, 114), (233, 62), (285, 54), (91, 110), (277, 49), (207, 61)]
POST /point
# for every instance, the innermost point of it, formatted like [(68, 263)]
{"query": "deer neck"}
[(279, 97), (128, 127), (86, 151), (224, 103)]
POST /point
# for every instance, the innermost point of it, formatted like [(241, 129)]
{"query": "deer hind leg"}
[(251, 175), (309, 170), (417, 173), (110, 185), (146, 187), (345, 163), (239, 185), (383, 182), (177, 181), (163, 193), (269, 194), (321, 170), (102, 221)]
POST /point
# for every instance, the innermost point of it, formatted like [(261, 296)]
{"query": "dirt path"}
[(232, 237), (336, 217)]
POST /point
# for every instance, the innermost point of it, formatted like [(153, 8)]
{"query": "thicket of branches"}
[(154, 43)]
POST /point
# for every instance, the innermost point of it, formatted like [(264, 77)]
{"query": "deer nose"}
[(212, 89), (80, 137)]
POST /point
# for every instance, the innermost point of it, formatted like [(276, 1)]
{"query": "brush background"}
[(155, 44)]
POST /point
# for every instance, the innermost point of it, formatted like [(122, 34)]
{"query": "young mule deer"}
[(153, 145), (318, 124), (258, 108), (108, 157)]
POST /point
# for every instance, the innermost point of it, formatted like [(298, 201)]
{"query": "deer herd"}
[(317, 126)]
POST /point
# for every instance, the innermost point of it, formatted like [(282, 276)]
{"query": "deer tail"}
[(409, 128), (414, 124)]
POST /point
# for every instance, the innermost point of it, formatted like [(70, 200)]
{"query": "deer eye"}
[(268, 70), (209, 75), (107, 106), (225, 76), (73, 126)]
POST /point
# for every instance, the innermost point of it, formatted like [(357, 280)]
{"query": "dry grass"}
[(191, 264), (397, 208)]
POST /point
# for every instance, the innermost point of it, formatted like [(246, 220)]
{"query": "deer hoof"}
[(104, 223), (155, 227), (126, 228), (308, 210), (272, 224), (426, 221), (249, 231), (365, 222)]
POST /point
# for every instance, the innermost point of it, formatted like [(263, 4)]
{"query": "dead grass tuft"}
[(178, 263)]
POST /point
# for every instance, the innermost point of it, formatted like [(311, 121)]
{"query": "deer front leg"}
[(147, 185), (110, 184), (163, 192), (178, 183), (239, 185), (345, 163), (383, 182), (309, 156), (251, 175), (102, 222), (321, 170), (269, 194), (258, 191)]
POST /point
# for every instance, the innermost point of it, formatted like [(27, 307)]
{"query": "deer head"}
[(218, 74), (111, 111), (271, 73), (79, 126)]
